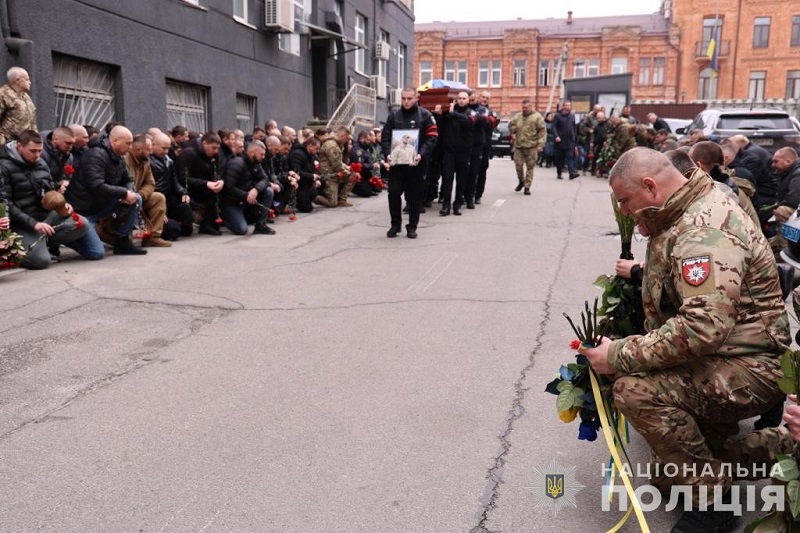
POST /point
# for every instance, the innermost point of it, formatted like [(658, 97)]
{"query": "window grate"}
[(187, 105), (84, 92)]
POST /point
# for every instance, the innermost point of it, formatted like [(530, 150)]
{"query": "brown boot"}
[(344, 203), (321, 200), (106, 234), (156, 242)]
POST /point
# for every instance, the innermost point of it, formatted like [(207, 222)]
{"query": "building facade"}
[(518, 59), (757, 48), (204, 64)]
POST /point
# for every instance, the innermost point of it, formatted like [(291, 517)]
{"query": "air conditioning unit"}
[(379, 84), (279, 15), (382, 50), (394, 97)]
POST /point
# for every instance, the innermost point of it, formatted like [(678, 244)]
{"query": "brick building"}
[(518, 59), (759, 48)]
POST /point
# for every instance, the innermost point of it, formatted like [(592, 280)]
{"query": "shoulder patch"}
[(696, 270)]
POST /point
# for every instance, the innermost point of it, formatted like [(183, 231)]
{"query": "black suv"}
[(501, 142), (770, 128)]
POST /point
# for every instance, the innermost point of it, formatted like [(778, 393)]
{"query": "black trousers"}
[(480, 185), (433, 174), (475, 161), (455, 164), (408, 180)]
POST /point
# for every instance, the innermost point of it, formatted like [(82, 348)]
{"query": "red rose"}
[(575, 344), (218, 221), (69, 170)]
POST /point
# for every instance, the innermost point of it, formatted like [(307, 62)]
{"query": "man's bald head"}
[(706, 154), (120, 138), (643, 177), (784, 159), (81, 136), (739, 140), (273, 144), (161, 144)]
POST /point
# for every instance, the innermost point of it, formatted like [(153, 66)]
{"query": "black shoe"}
[(263, 230), (708, 521), (393, 231), (411, 233), (405, 209), (439, 200), (559, 177), (422, 210), (470, 205), (206, 229), (573, 176), (518, 187), (457, 210), (444, 211), (477, 200), (126, 247), (527, 192), (428, 203)]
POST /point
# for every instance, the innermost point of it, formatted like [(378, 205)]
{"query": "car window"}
[(503, 127), (754, 122)]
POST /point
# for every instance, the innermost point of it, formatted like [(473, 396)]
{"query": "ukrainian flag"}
[(713, 52)]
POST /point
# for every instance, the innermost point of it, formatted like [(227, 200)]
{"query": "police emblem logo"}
[(554, 487), (695, 270)]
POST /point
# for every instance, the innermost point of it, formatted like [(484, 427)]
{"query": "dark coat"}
[(102, 176), (241, 175), (456, 129), (789, 186), (24, 185), (195, 168), (564, 128), (166, 177), (55, 160), (416, 118), (303, 164)]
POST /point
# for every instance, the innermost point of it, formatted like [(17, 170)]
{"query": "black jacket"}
[(789, 186), (303, 164), (55, 160), (24, 186), (483, 125), (102, 176), (416, 118), (166, 177), (456, 129), (195, 168), (564, 127), (241, 175)]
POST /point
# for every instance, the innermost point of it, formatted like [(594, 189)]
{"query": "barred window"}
[(245, 112), (84, 91), (187, 105)]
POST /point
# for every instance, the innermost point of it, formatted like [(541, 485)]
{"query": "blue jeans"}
[(90, 246)]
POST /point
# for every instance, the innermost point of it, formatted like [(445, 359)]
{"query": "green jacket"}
[(529, 130), (710, 284)]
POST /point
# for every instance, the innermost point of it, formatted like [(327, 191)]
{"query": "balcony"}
[(701, 49)]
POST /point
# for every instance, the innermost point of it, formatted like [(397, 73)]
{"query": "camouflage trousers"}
[(338, 189), (525, 161), (689, 414)]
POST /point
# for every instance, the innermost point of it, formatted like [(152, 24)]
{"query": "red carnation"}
[(218, 221), (271, 213), (575, 344), (69, 170)]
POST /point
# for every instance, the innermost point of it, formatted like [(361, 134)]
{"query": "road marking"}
[(440, 273), (426, 273), (495, 207), (182, 509)]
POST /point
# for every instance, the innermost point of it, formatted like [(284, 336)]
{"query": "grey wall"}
[(152, 40)]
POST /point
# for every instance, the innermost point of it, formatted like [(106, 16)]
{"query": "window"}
[(361, 39), (544, 73), (707, 85), (496, 73), (520, 70), (793, 84), (619, 65), (761, 32), (290, 42), (758, 79), (383, 65), (187, 105), (594, 67), (659, 66), (461, 72), (245, 112), (425, 72), (84, 91), (450, 70), (240, 10), (401, 66), (483, 74), (795, 30), (580, 69), (709, 27), (644, 71)]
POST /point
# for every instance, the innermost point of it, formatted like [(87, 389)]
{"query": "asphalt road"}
[(324, 379)]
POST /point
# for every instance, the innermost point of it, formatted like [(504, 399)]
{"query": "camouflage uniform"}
[(530, 135), (17, 113), (334, 172), (717, 326)]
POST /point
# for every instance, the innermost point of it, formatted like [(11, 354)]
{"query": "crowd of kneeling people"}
[(78, 187)]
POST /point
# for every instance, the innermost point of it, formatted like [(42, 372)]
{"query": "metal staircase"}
[(357, 108)]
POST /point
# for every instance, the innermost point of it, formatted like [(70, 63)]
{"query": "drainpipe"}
[(22, 48)]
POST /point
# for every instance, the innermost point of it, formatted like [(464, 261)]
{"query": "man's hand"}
[(275, 187), (44, 229), (598, 357), (558, 139), (62, 187), (792, 417), (69, 208), (438, 109), (185, 199), (130, 198), (624, 266), (417, 159), (215, 186), (252, 196)]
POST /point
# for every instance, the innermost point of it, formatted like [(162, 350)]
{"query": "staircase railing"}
[(357, 107)]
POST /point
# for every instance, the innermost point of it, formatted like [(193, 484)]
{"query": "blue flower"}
[(587, 431), (566, 373)]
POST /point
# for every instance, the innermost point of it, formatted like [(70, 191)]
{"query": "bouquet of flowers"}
[(376, 182), (12, 252)]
